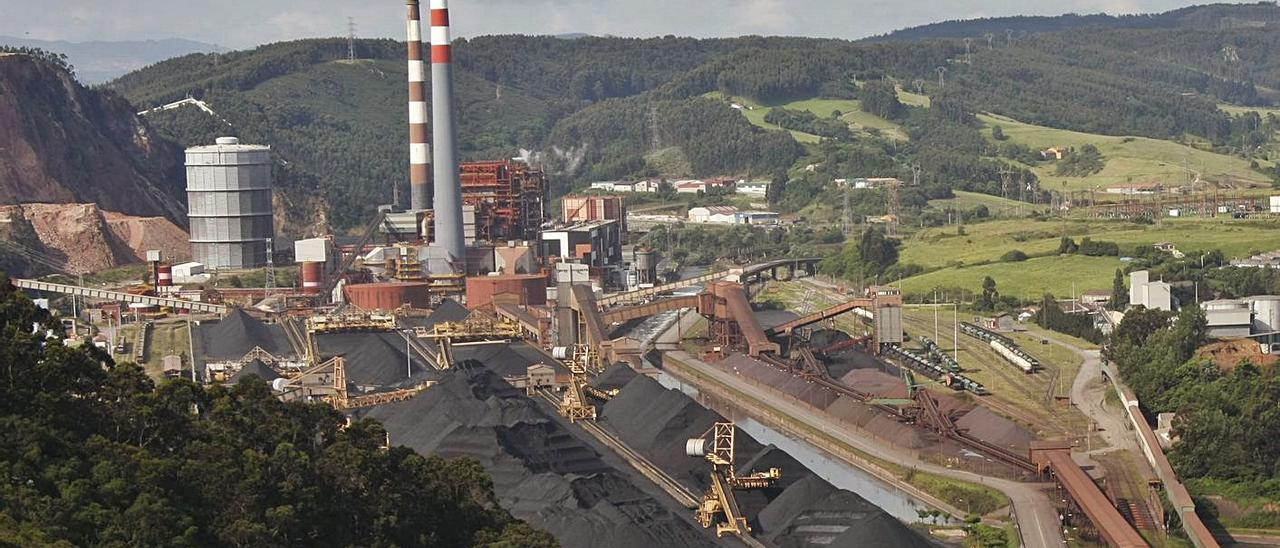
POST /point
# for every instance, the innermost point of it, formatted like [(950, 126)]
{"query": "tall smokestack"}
[(419, 155), (448, 189)]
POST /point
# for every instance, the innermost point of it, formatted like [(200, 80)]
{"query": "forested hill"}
[(598, 108), (1206, 17), (96, 454)]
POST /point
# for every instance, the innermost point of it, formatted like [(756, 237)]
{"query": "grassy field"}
[(999, 207), (1128, 159), (1236, 110), (986, 242), (167, 337), (850, 112), (1025, 280), (913, 99)]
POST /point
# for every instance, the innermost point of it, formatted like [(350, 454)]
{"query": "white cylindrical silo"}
[(229, 203)]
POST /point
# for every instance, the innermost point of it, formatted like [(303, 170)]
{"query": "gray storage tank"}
[(229, 203)]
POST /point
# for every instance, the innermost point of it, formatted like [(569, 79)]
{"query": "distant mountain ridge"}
[(1203, 17), (99, 61)]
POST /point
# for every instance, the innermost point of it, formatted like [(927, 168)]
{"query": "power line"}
[(351, 39)]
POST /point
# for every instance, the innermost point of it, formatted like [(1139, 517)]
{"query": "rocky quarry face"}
[(83, 180), (84, 239), (61, 142)]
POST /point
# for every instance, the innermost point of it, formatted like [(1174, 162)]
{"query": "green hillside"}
[(1128, 159), (607, 108), (850, 112), (987, 242), (1026, 280), (999, 207)]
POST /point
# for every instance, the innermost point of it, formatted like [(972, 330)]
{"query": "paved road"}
[(1089, 393)]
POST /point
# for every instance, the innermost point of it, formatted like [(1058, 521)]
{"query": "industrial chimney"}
[(448, 188), (419, 154)]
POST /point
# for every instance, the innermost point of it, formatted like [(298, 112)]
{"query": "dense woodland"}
[(97, 454), (1226, 419), (602, 108)]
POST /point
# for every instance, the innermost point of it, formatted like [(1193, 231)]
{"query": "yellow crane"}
[(573, 405), (719, 505)]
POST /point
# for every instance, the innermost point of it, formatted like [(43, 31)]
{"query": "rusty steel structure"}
[(1103, 517), (509, 199)]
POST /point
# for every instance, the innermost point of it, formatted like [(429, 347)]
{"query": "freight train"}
[(937, 355), (934, 371), (1004, 346)]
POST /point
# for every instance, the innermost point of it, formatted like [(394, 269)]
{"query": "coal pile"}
[(448, 311), (236, 334), (254, 368), (505, 359), (812, 512), (991, 427), (801, 510), (614, 376), (372, 359), (541, 472)]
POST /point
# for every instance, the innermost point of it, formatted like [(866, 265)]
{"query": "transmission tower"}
[(1006, 178), (655, 142), (893, 206), (846, 220), (919, 84), (351, 39), (271, 267), (990, 40), (915, 175), (1008, 37), (968, 45), (942, 81)]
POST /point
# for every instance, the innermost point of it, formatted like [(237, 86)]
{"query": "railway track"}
[(946, 429), (664, 481), (1017, 380)]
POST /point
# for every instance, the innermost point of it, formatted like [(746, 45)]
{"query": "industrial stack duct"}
[(448, 188), (419, 156)]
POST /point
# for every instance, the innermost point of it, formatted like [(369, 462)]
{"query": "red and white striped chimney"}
[(448, 187), (419, 154)]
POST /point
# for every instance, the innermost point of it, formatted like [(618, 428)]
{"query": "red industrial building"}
[(581, 209), (509, 199), (521, 289), (389, 295)]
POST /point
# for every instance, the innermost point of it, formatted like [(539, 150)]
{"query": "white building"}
[(862, 183), (753, 188), (690, 186), (1228, 317), (607, 186), (1275, 204), (1144, 292), (714, 214), (756, 218)]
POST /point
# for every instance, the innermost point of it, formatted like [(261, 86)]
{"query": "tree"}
[(1067, 246), (997, 133), (1119, 293), (1014, 256), (989, 294), (96, 454), (777, 187)]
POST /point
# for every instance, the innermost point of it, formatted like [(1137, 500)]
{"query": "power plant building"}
[(229, 203)]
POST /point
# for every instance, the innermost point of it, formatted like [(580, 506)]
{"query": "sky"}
[(239, 24)]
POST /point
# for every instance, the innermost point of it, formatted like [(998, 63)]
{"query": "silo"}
[(646, 265), (1266, 312), (229, 203)]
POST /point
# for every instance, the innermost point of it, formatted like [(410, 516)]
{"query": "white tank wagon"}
[(1004, 346)]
